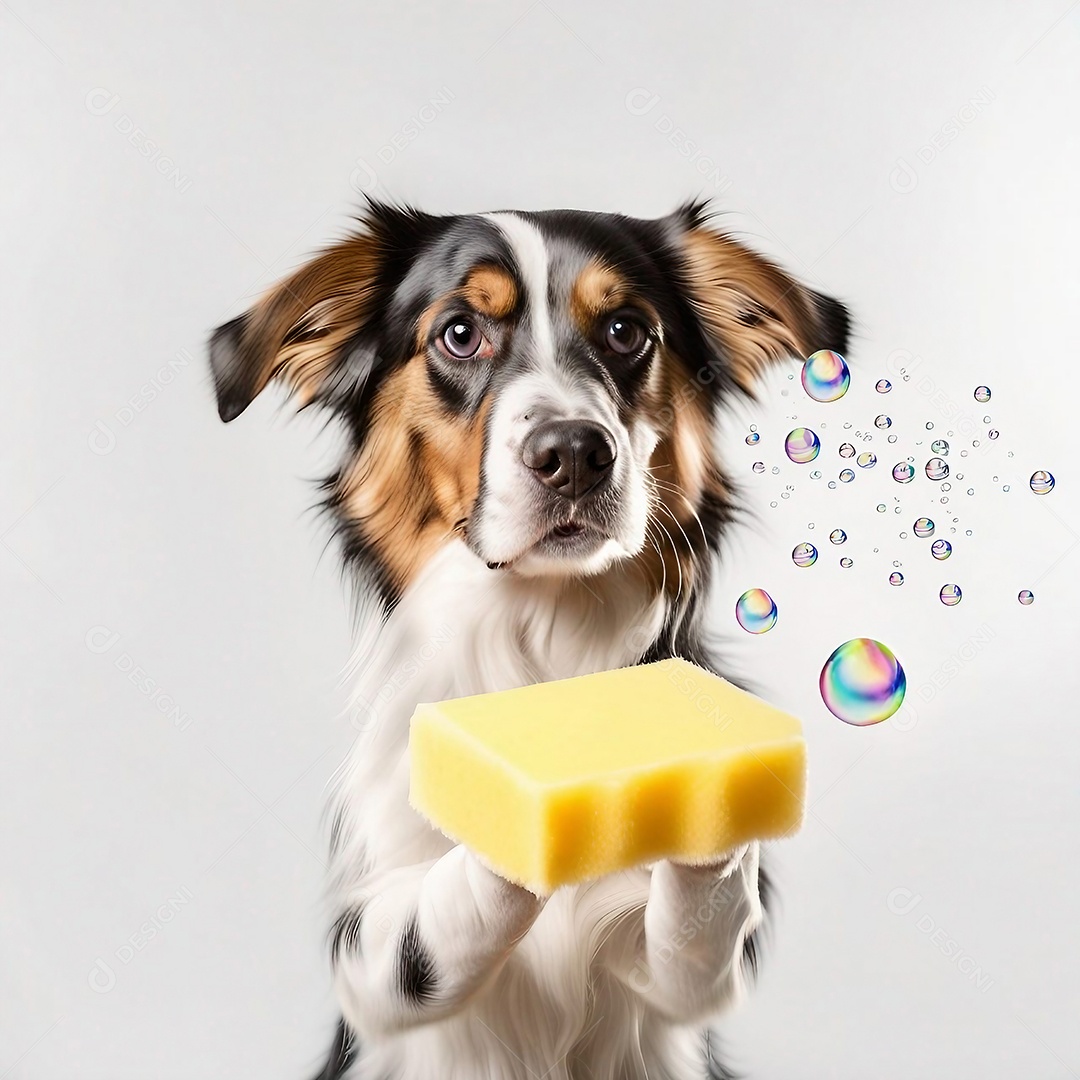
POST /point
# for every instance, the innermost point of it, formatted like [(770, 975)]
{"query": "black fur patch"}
[(343, 1052), (345, 933), (415, 968)]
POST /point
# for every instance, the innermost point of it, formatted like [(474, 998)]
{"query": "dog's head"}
[(539, 386)]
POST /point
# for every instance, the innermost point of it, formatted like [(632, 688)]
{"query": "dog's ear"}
[(301, 329), (753, 311)]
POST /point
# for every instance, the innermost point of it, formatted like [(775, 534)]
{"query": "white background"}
[(191, 541)]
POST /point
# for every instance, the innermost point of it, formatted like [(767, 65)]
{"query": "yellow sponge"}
[(565, 781)]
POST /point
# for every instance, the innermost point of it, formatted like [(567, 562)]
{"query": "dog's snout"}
[(569, 456)]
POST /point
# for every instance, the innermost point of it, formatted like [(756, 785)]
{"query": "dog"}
[(531, 490)]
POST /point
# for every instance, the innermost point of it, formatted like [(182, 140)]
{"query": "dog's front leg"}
[(686, 958), (425, 939)]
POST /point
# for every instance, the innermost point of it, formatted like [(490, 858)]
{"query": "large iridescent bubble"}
[(802, 445), (804, 555), (862, 682), (755, 611), (825, 376)]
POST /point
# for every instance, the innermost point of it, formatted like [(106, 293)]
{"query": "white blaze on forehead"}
[(531, 254)]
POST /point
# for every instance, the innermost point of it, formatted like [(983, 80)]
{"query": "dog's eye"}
[(624, 335), (462, 339)]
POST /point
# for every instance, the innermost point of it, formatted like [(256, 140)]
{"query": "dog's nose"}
[(570, 456)]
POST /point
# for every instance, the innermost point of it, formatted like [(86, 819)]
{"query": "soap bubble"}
[(892, 438), (883, 386), (882, 421), (902, 473), (924, 527), (982, 393), (993, 433), (1042, 482), (866, 460), (825, 376), (776, 470), (896, 578), (832, 484), (845, 562), (941, 550), (838, 536), (950, 595), (752, 438), (804, 555), (881, 508), (802, 445), (815, 475), (846, 476), (758, 466), (939, 447), (862, 682), (1025, 596), (755, 611), (937, 469), (847, 450)]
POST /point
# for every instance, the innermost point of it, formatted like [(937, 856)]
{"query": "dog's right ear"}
[(301, 329)]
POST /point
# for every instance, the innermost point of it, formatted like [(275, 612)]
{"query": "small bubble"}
[(993, 433), (939, 447), (832, 483), (773, 503), (753, 427), (892, 438), (897, 562), (776, 470), (896, 509), (815, 475), (950, 595), (837, 536), (946, 486), (937, 469), (752, 438), (1005, 488), (1025, 596), (866, 460), (968, 533), (986, 419), (924, 527), (1042, 482), (971, 491), (804, 555), (896, 578), (758, 466), (944, 500), (846, 476), (882, 421), (974, 442), (929, 426), (883, 386), (903, 473), (982, 393), (881, 508), (941, 550), (802, 445), (847, 450), (963, 453), (845, 562), (755, 611), (959, 476), (1010, 453), (785, 494), (847, 427)]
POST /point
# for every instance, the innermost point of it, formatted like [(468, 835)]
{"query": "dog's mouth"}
[(568, 538), (566, 530)]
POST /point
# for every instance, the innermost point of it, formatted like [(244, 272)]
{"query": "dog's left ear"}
[(753, 311), (300, 330)]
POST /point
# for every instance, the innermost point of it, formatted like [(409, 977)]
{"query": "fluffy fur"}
[(531, 492)]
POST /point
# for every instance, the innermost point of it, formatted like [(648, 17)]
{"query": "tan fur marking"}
[(489, 290), (296, 330), (417, 474), (597, 289), (758, 311)]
